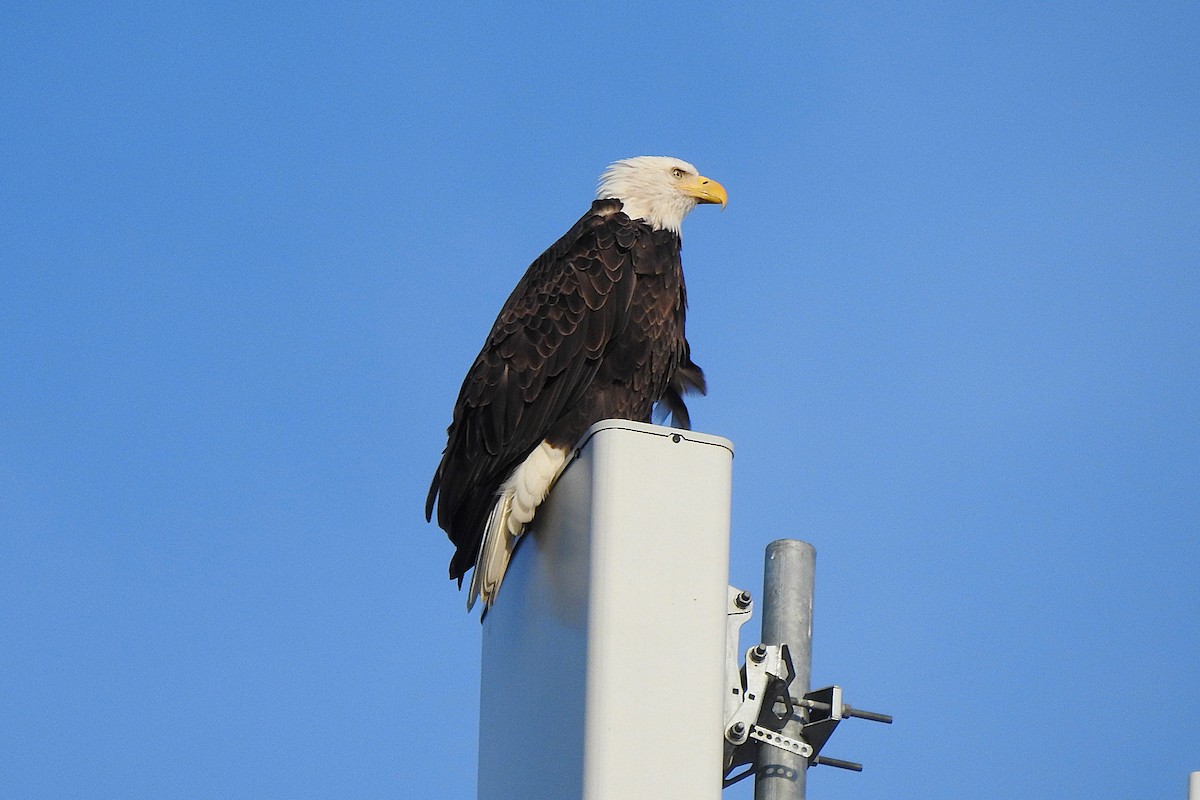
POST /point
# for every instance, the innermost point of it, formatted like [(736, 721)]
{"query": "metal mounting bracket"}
[(758, 703)]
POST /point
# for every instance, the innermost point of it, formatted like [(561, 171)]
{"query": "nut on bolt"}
[(758, 654), (737, 729), (742, 600)]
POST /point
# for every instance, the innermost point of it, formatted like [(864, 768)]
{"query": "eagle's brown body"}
[(594, 330)]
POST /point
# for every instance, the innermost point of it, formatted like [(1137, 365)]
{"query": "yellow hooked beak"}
[(705, 190)]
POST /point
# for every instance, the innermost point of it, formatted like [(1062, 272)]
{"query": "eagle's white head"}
[(659, 189)]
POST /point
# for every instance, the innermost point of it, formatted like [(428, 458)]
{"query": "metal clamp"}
[(758, 703)]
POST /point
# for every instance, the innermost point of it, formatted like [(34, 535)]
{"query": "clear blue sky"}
[(950, 319)]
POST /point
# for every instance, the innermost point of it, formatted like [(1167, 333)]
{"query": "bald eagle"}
[(594, 330)]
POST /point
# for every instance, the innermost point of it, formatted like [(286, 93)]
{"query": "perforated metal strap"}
[(774, 739)]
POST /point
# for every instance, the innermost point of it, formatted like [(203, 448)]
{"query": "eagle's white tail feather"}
[(494, 551), (516, 502)]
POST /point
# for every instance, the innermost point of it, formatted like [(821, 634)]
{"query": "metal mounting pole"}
[(787, 603)]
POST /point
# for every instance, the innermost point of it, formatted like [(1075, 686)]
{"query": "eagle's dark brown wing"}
[(539, 358)]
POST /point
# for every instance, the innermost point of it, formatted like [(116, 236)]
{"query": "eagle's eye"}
[(677, 172)]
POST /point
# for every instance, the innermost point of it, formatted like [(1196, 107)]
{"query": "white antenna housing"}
[(603, 657)]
